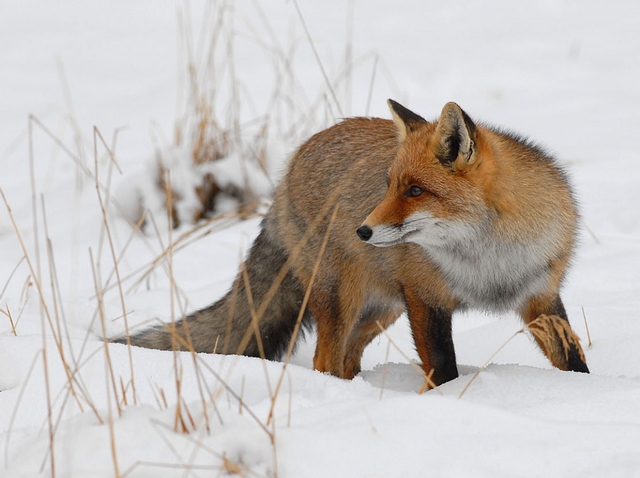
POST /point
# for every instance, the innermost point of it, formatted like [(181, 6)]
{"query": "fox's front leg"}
[(335, 317), (431, 329), (367, 328), (548, 322)]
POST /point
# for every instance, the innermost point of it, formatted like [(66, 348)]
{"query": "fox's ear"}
[(406, 120), (456, 135)]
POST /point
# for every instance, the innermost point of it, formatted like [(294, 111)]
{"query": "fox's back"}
[(350, 159), (345, 165)]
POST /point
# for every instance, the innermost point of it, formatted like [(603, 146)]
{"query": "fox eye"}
[(414, 191)]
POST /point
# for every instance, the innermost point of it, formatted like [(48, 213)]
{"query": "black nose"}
[(364, 233)]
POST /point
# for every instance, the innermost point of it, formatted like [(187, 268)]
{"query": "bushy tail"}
[(227, 327)]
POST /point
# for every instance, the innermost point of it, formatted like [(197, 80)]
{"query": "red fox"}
[(403, 215)]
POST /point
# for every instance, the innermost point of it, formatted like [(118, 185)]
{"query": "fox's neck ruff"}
[(483, 270)]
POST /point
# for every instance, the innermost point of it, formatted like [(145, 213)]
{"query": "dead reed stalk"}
[(107, 230), (303, 308), (110, 376)]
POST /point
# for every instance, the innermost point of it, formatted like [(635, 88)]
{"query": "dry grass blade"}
[(230, 467), (34, 206), (371, 82), (123, 389), (290, 399), (320, 65), (384, 368), (178, 424), (303, 308), (255, 325), (199, 381), (107, 229), (7, 440), (546, 328), (110, 376), (8, 314), (488, 361), (584, 316), (159, 428), (55, 289), (241, 396), (110, 151), (55, 293), (79, 162), (44, 311), (135, 230), (72, 117), (193, 440), (24, 298), (188, 413), (428, 383), (4, 289), (183, 241), (49, 411), (109, 365), (169, 466), (158, 394), (218, 377), (252, 309), (75, 377), (592, 234)]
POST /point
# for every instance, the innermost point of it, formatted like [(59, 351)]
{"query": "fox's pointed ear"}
[(456, 135), (406, 120)]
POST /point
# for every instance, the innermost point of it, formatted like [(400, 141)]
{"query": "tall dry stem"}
[(303, 308), (107, 230), (14, 414), (44, 312), (109, 375), (586, 326)]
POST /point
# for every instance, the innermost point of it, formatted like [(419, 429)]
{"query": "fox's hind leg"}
[(547, 320), (363, 333)]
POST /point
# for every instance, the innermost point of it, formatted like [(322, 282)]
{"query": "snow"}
[(564, 73)]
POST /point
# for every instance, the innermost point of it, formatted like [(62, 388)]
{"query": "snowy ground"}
[(565, 73)]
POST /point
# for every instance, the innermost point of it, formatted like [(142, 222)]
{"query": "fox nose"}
[(364, 233)]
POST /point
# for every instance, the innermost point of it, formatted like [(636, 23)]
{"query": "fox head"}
[(435, 185)]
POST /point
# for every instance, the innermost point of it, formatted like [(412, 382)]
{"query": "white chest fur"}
[(483, 270)]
